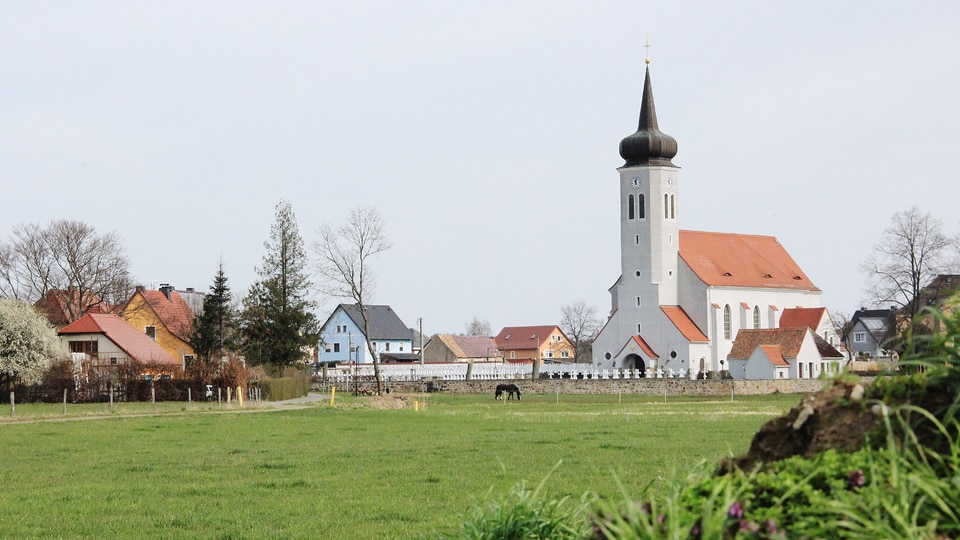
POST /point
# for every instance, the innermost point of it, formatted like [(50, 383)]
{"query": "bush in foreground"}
[(901, 481)]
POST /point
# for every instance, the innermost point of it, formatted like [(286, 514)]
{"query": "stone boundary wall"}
[(672, 387)]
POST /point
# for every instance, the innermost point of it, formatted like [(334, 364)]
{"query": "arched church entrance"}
[(633, 361)]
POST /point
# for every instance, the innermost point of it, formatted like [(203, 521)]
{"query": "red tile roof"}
[(645, 347), (800, 317), (684, 324), (741, 260), (174, 312), (130, 340), (523, 337), (773, 353), (788, 340)]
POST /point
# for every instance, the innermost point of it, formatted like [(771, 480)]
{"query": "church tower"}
[(649, 234)]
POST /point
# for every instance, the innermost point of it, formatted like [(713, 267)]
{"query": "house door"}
[(635, 362)]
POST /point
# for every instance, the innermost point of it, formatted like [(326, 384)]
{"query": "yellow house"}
[(164, 317)]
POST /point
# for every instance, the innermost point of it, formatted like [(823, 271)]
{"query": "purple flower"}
[(771, 526), (749, 526), (736, 510), (855, 480)]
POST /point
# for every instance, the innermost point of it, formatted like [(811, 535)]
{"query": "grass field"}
[(353, 471)]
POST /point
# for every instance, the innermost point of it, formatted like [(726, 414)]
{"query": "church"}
[(683, 295)]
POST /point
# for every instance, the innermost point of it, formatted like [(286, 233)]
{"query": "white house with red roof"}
[(682, 295), (782, 353), (107, 340)]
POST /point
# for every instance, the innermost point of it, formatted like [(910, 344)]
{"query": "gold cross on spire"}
[(647, 47)]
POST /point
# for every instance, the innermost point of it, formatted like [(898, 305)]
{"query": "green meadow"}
[(356, 470)]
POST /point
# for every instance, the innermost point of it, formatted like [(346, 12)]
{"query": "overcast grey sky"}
[(487, 133)]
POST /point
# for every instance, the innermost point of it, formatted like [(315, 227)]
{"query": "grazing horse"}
[(510, 390)]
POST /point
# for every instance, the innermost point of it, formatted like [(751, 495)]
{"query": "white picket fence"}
[(491, 371)]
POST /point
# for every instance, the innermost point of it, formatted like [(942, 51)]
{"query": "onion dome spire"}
[(649, 145)]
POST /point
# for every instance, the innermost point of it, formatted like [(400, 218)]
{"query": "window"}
[(548, 353), (565, 354), (86, 347), (388, 346), (327, 348), (636, 239), (113, 360), (513, 354), (638, 301), (726, 322), (336, 347), (673, 207), (641, 213), (401, 347), (630, 209), (666, 206), (756, 316), (859, 337), (151, 332), (639, 329), (188, 360)]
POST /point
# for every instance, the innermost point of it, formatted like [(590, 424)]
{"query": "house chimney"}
[(165, 288)]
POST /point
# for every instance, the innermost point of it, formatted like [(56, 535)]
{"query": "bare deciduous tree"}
[(70, 258), (477, 327), (344, 256), (581, 324), (912, 251)]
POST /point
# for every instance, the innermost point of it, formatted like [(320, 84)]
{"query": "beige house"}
[(451, 348)]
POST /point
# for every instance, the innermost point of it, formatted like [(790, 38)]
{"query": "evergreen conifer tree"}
[(215, 330), (279, 325)]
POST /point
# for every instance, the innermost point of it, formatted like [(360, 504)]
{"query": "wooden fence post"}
[(13, 405), (64, 401)]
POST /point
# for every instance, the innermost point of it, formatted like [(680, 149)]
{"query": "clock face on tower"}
[(635, 183)]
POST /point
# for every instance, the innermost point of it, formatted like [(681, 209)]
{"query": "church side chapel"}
[(683, 296)]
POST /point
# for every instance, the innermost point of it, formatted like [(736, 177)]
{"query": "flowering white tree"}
[(28, 344)]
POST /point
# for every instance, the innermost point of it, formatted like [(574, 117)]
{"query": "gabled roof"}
[(879, 322), (789, 341), (384, 322), (524, 337), (130, 340), (173, 312), (65, 306), (470, 346), (644, 346), (775, 355), (741, 260), (684, 324), (800, 317)]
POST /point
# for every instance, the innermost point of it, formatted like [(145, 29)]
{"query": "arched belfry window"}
[(673, 207), (666, 206), (641, 204), (756, 316), (726, 322), (630, 209)]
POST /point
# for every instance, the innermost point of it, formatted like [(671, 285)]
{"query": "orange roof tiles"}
[(130, 340), (741, 260), (789, 341), (174, 312), (773, 353), (684, 323), (800, 317), (523, 337)]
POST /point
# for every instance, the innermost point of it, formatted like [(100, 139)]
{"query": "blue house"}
[(342, 337)]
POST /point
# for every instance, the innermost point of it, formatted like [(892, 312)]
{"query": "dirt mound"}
[(832, 418), (388, 401)]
